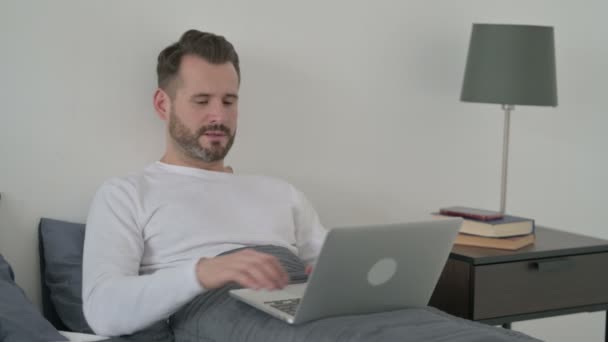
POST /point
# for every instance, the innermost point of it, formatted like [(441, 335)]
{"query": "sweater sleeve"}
[(310, 233), (117, 300)]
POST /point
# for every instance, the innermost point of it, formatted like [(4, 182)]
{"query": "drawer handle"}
[(552, 265)]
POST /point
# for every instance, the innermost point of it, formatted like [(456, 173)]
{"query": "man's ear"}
[(162, 104)]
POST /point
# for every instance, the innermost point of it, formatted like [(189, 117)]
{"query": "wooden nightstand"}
[(562, 273)]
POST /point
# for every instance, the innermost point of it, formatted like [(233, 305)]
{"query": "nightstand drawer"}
[(516, 288)]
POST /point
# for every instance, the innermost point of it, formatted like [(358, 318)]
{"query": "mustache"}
[(216, 127)]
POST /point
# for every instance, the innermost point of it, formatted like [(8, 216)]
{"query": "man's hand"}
[(308, 269), (247, 268)]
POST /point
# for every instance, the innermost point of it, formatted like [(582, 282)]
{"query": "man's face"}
[(204, 109)]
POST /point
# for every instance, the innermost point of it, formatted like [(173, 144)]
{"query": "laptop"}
[(365, 269)]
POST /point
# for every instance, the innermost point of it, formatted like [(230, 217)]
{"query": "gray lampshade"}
[(510, 64)]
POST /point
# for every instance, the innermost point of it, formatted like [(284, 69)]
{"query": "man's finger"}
[(275, 273), (264, 280), (308, 269), (245, 280), (270, 268), (269, 264)]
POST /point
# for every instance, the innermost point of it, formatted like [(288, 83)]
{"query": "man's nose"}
[(216, 112)]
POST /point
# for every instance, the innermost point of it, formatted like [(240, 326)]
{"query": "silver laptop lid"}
[(377, 268)]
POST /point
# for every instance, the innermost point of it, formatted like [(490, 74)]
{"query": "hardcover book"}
[(506, 226), (473, 213), (508, 243)]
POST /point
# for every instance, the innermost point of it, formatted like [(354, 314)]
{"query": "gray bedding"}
[(216, 317), (20, 320)]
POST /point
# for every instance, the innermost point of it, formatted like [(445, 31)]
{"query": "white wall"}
[(355, 102)]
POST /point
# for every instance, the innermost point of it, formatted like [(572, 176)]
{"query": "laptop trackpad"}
[(289, 292), (296, 290)]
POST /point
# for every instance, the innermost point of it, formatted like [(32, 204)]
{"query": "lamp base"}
[(505, 156)]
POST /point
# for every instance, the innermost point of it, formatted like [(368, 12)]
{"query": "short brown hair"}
[(211, 47)]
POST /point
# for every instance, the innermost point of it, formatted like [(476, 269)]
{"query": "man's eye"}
[(228, 103), (202, 102)]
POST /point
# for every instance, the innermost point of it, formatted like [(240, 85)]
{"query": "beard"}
[(189, 142)]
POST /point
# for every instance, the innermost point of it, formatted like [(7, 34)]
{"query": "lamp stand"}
[(505, 156)]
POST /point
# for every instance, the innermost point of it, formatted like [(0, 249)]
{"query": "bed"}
[(60, 248)]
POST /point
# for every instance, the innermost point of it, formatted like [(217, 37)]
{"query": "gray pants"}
[(216, 317)]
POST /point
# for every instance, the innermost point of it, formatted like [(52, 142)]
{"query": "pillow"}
[(61, 245), (20, 320)]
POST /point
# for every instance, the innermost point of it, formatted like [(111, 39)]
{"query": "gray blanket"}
[(217, 317)]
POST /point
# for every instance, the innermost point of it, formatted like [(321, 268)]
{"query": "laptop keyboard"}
[(286, 305)]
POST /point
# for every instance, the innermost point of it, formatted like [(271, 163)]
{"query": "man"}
[(163, 247), (153, 239)]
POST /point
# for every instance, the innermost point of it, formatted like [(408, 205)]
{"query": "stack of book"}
[(492, 229)]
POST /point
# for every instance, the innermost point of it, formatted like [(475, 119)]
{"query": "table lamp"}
[(510, 65)]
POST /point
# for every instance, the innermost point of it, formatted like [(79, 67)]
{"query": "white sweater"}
[(146, 232)]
